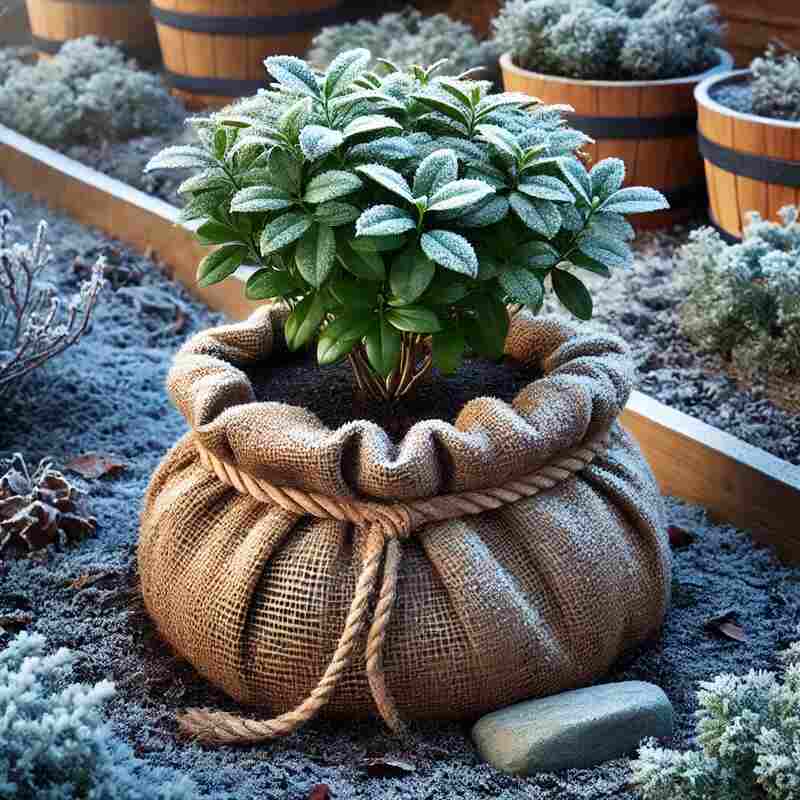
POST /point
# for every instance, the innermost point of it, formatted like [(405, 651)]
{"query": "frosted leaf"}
[(607, 177), (370, 124), (450, 250), (434, 171), (316, 141), (330, 185), (284, 230), (383, 220), (388, 178), (293, 73), (261, 198), (181, 157), (459, 194), (541, 216), (635, 200)]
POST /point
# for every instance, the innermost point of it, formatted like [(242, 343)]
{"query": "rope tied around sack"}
[(387, 524)]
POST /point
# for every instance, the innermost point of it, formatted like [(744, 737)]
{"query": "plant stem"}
[(414, 364)]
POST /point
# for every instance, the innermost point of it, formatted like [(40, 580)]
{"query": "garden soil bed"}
[(107, 395)]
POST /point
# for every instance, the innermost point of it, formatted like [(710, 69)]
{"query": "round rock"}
[(576, 729)]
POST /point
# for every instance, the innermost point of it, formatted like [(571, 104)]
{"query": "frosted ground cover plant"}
[(610, 39), (406, 38), (397, 215), (87, 93), (748, 729), (744, 299), (56, 744)]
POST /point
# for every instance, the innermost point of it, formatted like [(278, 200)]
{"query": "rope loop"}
[(387, 526)]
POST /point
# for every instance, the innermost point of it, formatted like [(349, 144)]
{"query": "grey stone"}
[(576, 729)]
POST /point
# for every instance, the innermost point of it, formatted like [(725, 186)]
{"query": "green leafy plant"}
[(748, 729), (610, 39), (406, 38), (744, 299), (396, 216)]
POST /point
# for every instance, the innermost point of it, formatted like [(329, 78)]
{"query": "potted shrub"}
[(749, 124), (743, 302), (749, 27), (628, 69), (513, 552)]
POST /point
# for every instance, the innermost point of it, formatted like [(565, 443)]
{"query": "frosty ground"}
[(107, 395)]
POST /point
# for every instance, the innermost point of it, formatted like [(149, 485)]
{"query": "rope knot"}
[(394, 521)]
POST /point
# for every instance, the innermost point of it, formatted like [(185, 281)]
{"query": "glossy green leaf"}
[(448, 350), (383, 347), (304, 321), (523, 286), (315, 254), (284, 230), (414, 319), (268, 283), (411, 273), (220, 264), (572, 293)]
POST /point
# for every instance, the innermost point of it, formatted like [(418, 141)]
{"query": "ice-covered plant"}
[(405, 38), (397, 216), (748, 730), (610, 39), (744, 299), (36, 325), (776, 84), (54, 741), (87, 93)]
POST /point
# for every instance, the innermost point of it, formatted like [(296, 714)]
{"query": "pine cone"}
[(39, 509)]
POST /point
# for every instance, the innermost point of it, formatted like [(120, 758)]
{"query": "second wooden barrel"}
[(126, 22), (213, 49)]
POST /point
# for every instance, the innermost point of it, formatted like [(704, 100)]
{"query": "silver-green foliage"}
[(610, 39), (385, 209), (744, 299), (776, 85), (748, 729), (87, 93), (54, 741), (406, 38)]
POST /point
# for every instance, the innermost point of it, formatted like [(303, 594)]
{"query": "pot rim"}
[(702, 95), (725, 65)]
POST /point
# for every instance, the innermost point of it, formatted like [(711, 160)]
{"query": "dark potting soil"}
[(107, 395), (330, 392)]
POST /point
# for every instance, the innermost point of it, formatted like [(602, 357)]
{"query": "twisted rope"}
[(388, 524)]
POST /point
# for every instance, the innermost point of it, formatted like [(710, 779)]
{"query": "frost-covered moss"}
[(88, 93), (744, 299), (610, 39), (748, 729), (54, 741), (406, 38)]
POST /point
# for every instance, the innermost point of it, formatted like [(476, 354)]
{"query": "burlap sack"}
[(548, 560)]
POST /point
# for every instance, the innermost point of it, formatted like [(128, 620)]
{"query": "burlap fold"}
[(538, 595)]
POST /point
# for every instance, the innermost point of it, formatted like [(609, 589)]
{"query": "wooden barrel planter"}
[(752, 163), (125, 22), (650, 125), (752, 24), (214, 50)]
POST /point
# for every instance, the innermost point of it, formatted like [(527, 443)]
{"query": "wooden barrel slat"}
[(655, 125), (750, 144), (126, 22), (214, 49), (752, 24)]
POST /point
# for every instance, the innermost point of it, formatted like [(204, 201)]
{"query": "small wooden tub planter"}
[(737, 482), (214, 50), (752, 24), (650, 125), (126, 22), (752, 163)]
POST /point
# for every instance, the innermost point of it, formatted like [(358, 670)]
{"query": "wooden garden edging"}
[(736, 482)]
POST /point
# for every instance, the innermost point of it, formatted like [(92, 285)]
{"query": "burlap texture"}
[(530, 599)]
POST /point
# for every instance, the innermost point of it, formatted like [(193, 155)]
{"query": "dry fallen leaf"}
[(679, 537), (95, 465), (388, 768), (725, 625), (15, 622), (320, 792), (82, 581)]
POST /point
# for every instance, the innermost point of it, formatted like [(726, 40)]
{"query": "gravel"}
[(107, 395), (736, 96)]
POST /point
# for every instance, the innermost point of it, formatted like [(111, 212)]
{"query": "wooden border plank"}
[(736, 482), (134, 217)]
